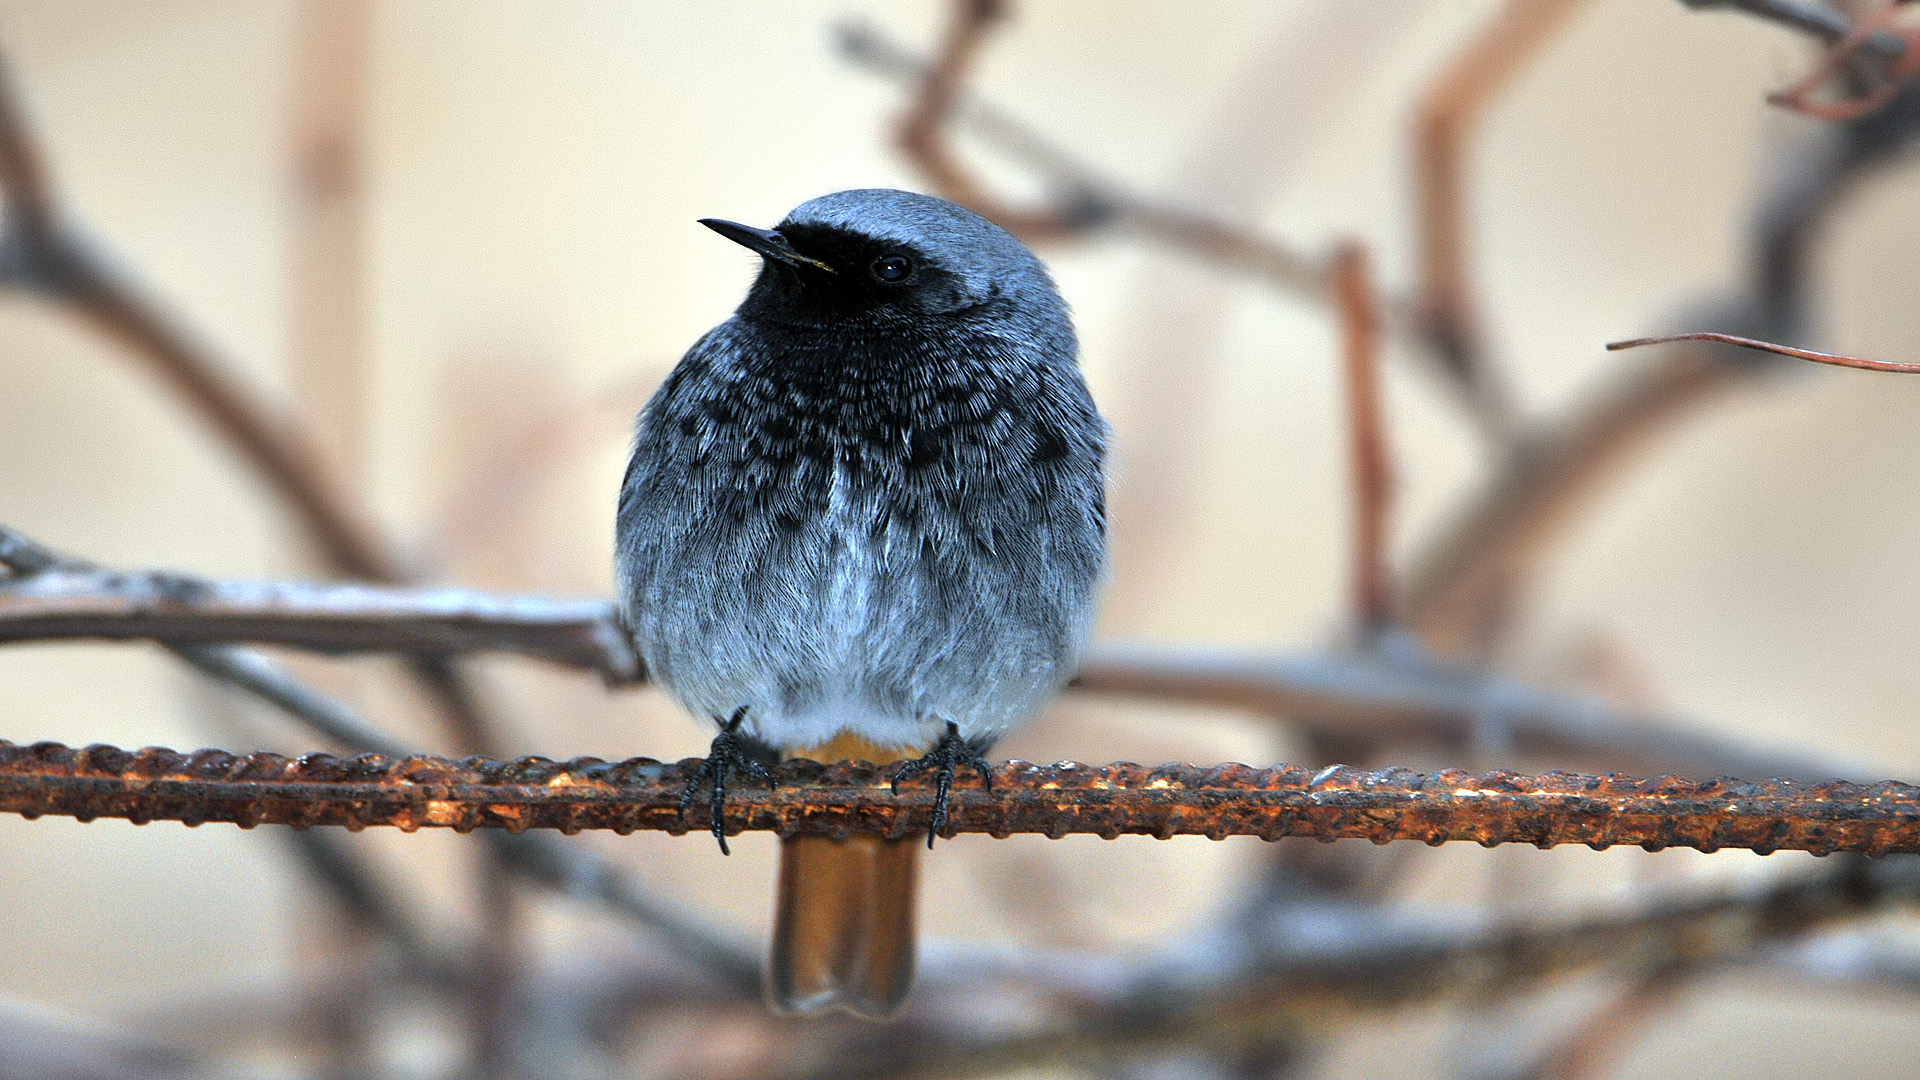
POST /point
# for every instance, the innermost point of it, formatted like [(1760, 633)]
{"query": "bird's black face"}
[(815, 273)]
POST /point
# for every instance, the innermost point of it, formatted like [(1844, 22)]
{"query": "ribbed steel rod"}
[(1054, 800)]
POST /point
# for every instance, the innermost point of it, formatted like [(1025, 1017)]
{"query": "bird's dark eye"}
[(892, 267)]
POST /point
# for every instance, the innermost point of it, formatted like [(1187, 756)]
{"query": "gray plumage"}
[(870, 506)]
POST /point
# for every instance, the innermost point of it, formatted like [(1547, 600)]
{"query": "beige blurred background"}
[(523, 264)]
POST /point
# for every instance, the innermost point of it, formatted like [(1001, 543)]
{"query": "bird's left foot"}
[(735, 751), (943, 761)]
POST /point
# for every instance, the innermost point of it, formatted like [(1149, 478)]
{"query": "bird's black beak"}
[(765, 241)]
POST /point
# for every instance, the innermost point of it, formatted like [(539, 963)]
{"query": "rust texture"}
[(1054, 800)]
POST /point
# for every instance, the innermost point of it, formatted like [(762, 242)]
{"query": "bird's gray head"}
[(885, 254)]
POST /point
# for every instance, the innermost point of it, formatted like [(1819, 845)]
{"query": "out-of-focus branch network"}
[(1248, 992)]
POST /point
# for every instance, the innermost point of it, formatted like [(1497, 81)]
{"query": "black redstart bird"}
[(865, 517)]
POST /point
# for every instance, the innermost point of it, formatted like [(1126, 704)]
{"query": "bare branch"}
[(1807, 16), (1379, 700), (51, 256), (1453, 588), (1444, 121), (1380, 697), (1372, 467), (1766, 346), (923, 132), (1307, 968), (1496, 539), (48, 255), (321, 616), (1892, 74), (1087, 201), (537, 858), (1597, 1042)]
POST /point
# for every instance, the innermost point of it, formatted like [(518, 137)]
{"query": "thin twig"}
[(1767, 346)]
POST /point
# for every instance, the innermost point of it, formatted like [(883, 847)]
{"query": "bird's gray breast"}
[(874, 543)]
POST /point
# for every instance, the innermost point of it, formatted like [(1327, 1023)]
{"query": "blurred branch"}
[(539, 860), (372, 907), (504, 476), (44, 252), (327, 264), (1445, 120), (1380, 696), (1371, 463), (42, 1045), (1597, 1041), (41, 250), (29, 563), (1053, 800), (1308, 968), (1892, 74), (320, 616), (1085, 201), (1446, 321), (1809, 17), (922, 135), (1495, 540)]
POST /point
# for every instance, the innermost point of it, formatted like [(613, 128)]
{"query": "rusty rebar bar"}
[(852, 797)]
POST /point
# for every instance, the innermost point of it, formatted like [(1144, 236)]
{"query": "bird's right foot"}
[(730, 750), (944, 761)]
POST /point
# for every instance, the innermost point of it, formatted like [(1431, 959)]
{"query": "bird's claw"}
[(729, 750), (944, 760)]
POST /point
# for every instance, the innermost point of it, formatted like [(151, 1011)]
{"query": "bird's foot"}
[(730, 750), (943, 761)]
